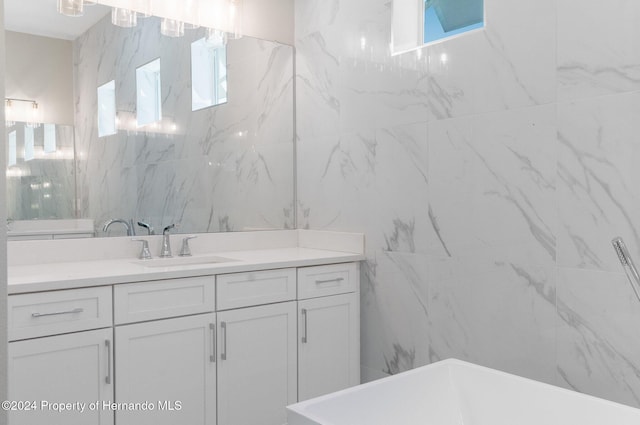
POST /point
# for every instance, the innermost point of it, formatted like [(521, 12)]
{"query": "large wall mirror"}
[(219, 157)]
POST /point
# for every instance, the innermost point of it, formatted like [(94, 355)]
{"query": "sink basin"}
[(183, 261)]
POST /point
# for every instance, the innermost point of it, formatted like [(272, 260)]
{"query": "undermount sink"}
[(183, 261)]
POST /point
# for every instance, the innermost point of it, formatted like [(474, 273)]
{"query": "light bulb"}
[(172, 27), (71, 7), (124, 17)]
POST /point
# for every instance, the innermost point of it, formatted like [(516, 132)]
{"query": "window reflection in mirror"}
[(208, 72), (107, 109), (50, 138), (12, 156), (40, 172), (29, 143), (148, 93)]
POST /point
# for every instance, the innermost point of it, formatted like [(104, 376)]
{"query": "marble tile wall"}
[(224, 168), (489, 174)]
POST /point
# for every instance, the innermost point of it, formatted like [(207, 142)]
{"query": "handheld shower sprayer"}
[(627, 264)]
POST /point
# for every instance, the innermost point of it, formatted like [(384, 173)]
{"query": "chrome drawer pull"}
[(107, 345), (304, 318), (223, 355), (212, 357), (74, 311), (338, 279)]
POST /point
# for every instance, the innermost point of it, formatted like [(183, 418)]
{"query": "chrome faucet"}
[(127, 224), (165, 252)]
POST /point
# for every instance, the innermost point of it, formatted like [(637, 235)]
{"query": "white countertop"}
[(58, 275)]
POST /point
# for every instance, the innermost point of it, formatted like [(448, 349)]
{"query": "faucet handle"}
[(185, 251), (145, 253), (167, 228), (150, 230)]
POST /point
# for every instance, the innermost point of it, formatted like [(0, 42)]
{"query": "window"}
[(418, 22), (12, 156), (446, 18)]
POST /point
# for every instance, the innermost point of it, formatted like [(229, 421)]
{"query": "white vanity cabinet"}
[(63, 362), (166, 363), (229, 349), (257, 364), (170, 364), (73, 368), (257, 358), (329, 329)]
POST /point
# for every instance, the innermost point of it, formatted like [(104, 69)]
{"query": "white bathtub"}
[(452, 392)]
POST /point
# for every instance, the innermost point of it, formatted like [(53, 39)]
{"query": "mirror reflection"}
[(40, 182), (148, 94), (219, 158), (107, 124), (208, 71)]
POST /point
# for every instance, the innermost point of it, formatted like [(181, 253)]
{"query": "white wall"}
[(489, 173), (41, 69), (271, 20), (3, 237)]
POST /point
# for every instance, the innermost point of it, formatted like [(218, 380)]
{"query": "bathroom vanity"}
[(222, 337)]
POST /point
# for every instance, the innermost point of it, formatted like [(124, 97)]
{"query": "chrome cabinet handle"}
[(107, 344), (212, 357), (304, 320), (223, 355), (338, 279), (74, 311)]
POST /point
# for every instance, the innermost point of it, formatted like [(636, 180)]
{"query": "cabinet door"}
[(72, 368), (170, 363), (328, 345), (257, 364)]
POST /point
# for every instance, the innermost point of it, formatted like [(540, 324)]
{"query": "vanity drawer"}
[(56, 312), (254, 288), (332, 279), (138, 302)]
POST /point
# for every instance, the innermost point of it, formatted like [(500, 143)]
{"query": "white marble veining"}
[(228, 167), (598, 340), (597, 49), (598, 179), (511, 304), (489, 173)]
